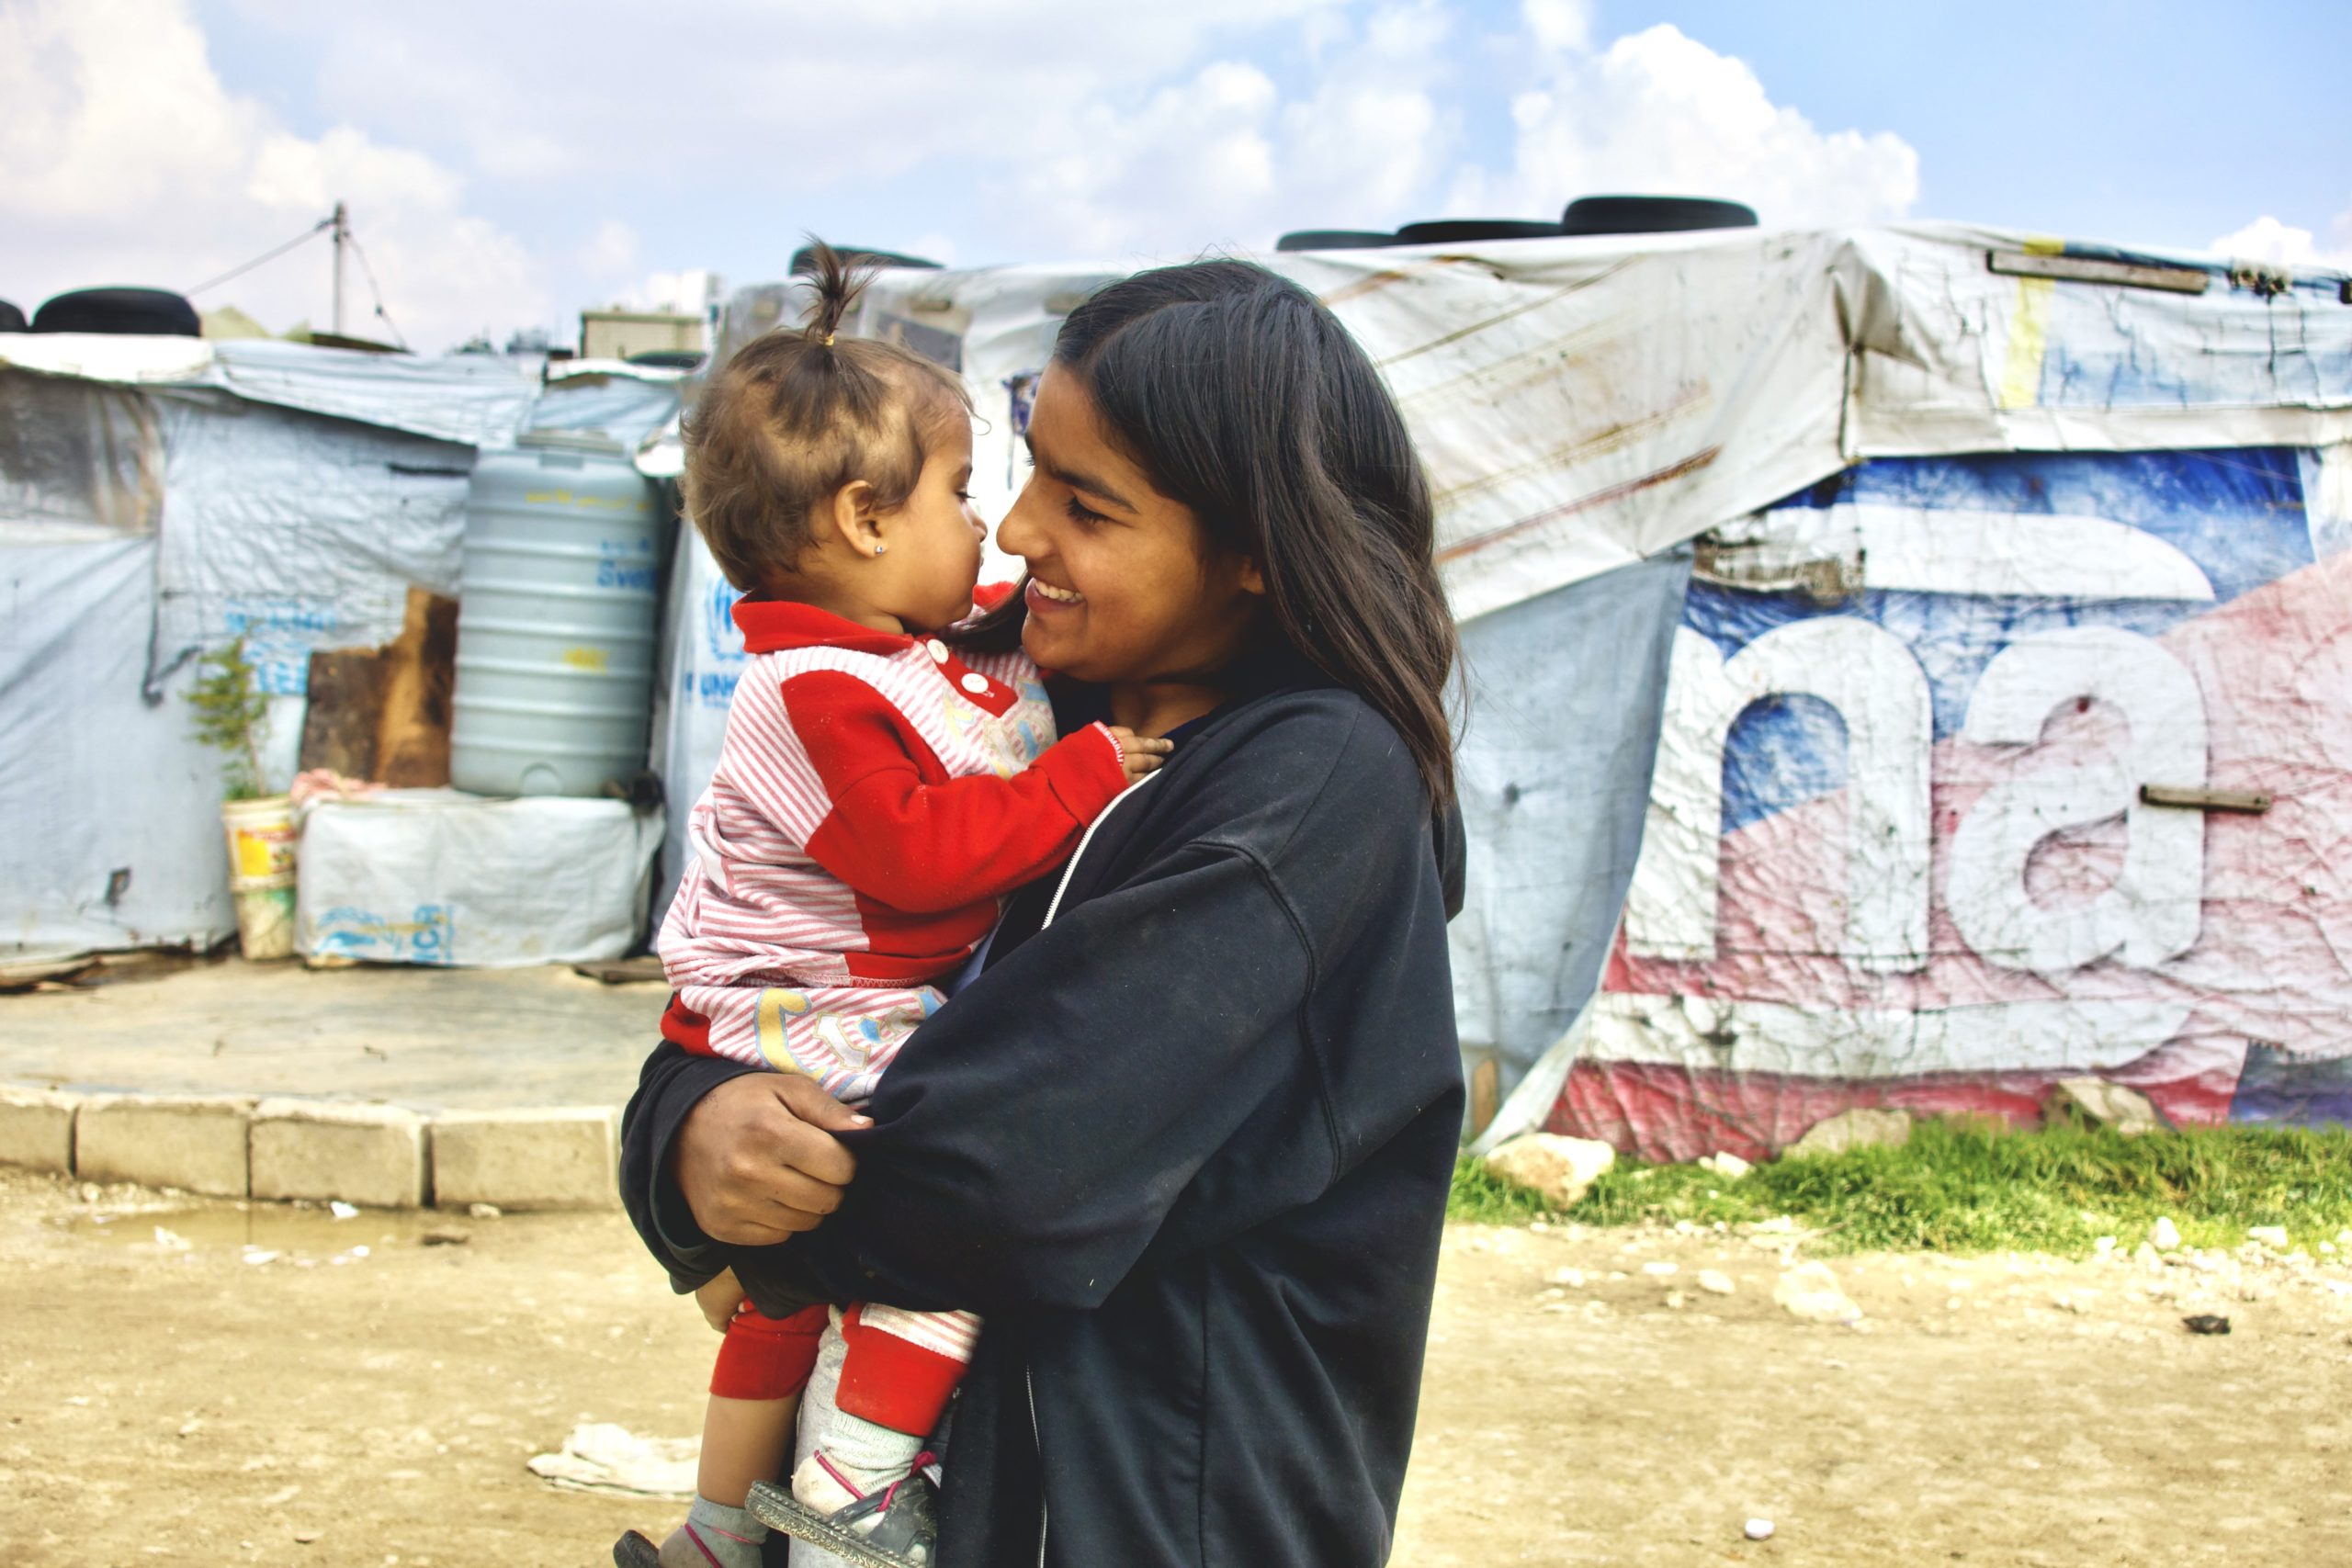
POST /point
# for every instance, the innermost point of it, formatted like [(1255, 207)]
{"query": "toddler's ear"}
[(849, 517), (1252, 579)]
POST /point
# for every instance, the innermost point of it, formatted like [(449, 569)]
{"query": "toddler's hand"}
[(1141, 755), (720, 1299)]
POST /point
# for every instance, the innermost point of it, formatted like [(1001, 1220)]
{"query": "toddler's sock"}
[(865, 1453), (715, 1536)]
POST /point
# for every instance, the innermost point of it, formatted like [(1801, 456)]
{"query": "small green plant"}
[(231, 709), (1966, 1187)]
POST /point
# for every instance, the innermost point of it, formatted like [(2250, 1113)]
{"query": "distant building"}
[(617, 334)]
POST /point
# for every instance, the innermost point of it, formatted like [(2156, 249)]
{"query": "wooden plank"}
[(420, 673), (2092, 269), (345, 706), (2253, 803), (1486, 1094)]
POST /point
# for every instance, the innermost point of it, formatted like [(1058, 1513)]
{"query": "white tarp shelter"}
[(1885, 433), (162, 496)]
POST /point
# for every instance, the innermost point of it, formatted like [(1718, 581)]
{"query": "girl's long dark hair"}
[(1244, 398)]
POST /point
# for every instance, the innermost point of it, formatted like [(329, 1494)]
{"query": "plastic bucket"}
[(260, 873)]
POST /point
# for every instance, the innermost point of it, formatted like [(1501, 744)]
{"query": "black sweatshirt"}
[(1187, 1147)]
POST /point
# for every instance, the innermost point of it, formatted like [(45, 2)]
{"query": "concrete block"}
[(560, 1158), (362, 1154), (196, 1143), (37, 1128)]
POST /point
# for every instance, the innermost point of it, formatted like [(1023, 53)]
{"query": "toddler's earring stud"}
[(877, 550)]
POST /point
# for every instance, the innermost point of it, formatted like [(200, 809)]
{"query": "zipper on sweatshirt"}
[(1029, 1381), (1083, 840), (1028, 1376)]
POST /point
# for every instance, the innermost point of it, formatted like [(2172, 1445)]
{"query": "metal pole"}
[(342, 233)]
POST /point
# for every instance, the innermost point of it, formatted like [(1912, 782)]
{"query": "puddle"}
[(271, 1227)]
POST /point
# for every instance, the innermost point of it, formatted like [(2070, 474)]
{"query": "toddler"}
[(878, 792)]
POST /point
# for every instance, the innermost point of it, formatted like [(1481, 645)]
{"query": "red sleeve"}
[(897, 832)]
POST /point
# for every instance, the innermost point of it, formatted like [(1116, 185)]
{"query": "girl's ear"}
[(1253, 579), (851, 516)]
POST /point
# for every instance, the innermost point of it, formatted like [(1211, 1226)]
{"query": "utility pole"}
[(342, 221)]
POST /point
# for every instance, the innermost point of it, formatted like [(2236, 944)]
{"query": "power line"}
[(320, 227), (377, 293)]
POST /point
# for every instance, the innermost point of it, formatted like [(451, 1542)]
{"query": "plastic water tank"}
[(556, 615)]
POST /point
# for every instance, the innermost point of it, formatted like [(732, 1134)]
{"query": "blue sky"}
[(508, 164)]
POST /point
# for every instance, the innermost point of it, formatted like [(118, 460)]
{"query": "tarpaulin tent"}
[(1904, 557), (162, 496)]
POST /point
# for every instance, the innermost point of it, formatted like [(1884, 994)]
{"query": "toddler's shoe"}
[(875, 1521)]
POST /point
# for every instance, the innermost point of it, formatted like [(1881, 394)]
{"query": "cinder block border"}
[(284, 1147), (196, 1143), (37, 1128), (371, 1155), (555, 1158)]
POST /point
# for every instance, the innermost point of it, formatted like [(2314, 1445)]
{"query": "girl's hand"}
[(756, 1159), (1141, 755), (720, 1299)]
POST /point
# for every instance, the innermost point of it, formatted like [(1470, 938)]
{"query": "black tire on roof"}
[(153, 312), (1467, 230), (1653, 215), (1334, 240)]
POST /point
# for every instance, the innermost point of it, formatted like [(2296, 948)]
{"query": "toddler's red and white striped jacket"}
[(876, 796)]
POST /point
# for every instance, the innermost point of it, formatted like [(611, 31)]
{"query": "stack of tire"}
[(1586, 215), (152, 312)]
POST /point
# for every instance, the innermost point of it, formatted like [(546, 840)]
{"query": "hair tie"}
[(829, 340)]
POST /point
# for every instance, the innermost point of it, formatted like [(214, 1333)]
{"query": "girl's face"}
[(1125, 588)]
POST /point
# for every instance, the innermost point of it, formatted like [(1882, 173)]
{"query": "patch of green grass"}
[(1972, 1187)]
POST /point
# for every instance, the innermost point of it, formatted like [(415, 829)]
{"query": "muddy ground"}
[(170, 1400)]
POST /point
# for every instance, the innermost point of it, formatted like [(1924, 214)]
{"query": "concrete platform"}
[(428, 1038), (231, 1077)]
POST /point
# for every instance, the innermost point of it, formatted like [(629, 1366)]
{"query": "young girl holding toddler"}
[(877, 794)]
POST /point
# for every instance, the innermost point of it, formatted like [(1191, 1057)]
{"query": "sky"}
[(507, 163)]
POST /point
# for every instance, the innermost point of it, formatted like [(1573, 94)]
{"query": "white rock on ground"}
[(1558, 1169), (2273, 1236), (1716, 1282), (1852, 1130), (1731, 1167), (2164, 1236), (1811, 1292), (2104, 1105)]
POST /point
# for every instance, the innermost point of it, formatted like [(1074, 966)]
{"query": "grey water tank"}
[(556, 612)]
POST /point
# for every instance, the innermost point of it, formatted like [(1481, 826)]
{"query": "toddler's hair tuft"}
[(796, 415)]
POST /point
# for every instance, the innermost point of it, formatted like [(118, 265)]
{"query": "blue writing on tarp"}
[(613, 574), (427, 936), (711, 688), (279, 635)]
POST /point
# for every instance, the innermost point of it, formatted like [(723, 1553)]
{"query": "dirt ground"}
[(171, 1399)]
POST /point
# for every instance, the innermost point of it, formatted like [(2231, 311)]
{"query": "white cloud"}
[(1559, 27), (1661, 112), (610, 250), (1038, 127), (123, 159), (1222, 158), (790, 97), (2266, 239)]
